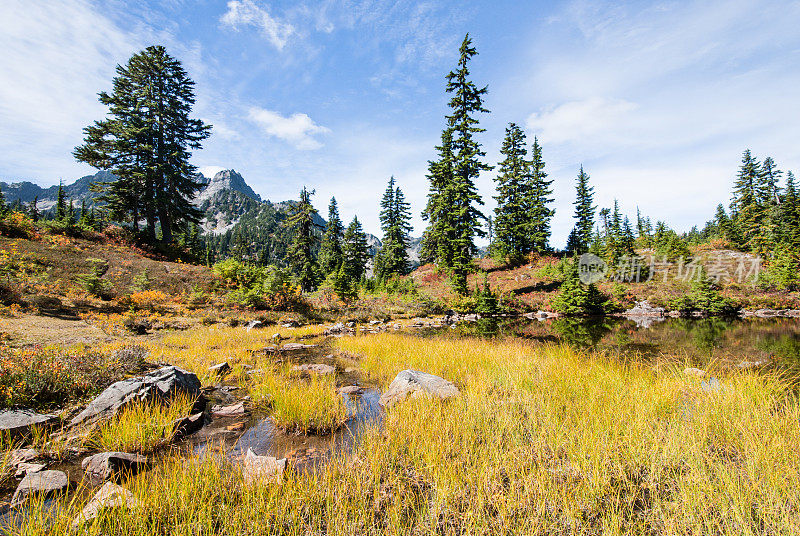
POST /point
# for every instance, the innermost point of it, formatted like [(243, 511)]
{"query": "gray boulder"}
[(42, 483), (15, 422), (262, 468), (108, 465), (162, 384), (109, 496), (416, 384)]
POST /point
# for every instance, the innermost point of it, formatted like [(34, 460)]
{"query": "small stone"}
[(220, 369), (262, 468), (350, 390), (108, 465), (293, 346), (19, 456), (235, 410), (277, 338), (109, 496), (27, 468), (188, 425), (316, 368), (253, 324), (43, 483), (416, 384), (696, 372)]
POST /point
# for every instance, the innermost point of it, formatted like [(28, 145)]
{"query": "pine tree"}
[(3, 205), (584, 215), (301, 251), (747, 212), (392, 259), (453, 188), (513, 214), (438, 210), (146, 142), (789, 214), (330, 252), (540, 198), (355, 251)]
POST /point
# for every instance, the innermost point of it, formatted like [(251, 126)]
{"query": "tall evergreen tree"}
[(330, 252), (33, 209), (789, 214), (355, 251), (61, 203), (513, 214), (540, 199), (747, 211), (146, 141), (301, 251), (584, 215), (3, 205), (437, 236), (395, 216), (456, 234)]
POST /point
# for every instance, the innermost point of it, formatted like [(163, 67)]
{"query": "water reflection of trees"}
[(581, 332)]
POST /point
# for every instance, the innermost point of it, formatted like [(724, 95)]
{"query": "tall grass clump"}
[(141, 427), (297, 405)]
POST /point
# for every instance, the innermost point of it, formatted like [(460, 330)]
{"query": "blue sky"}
[(656, 99)]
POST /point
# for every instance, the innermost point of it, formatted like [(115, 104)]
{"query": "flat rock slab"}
[(111, 464), (416, 384), (16, 422), (316, 368), (262, 468), (26, 468), (19, 456), (236, 410), (294, 346), (350, 390), (45, 483), (220, 369), (109, 496), (162, 384)]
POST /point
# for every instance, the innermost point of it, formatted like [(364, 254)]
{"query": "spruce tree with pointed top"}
[(584, 215), (439, 232), (457, 236), (541, 190), (513, 214), (355, 251), (395, 217), (301, 251), (330, 252), (33, 209)]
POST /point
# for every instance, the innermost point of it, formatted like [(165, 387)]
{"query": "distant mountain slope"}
[(236, 220)]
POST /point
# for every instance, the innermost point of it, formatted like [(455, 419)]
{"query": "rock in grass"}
[(109, 496), (350, 390), (417, 384), (711, 386), (292, 346), (188, 425), (262, 468), (42, 483), (236, 410), (691, 371), (26, 468), (20, 456), (316, 368), (162, 384), (16, 422), (253, 324), (220, 369), (108, 465)]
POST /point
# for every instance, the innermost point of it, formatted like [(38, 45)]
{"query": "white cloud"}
[(248, 13), (579, 120), (297, 129)]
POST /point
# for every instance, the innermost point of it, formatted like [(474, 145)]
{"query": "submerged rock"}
[(236, 410), (417, 384), (15, 422), (262, 468), (350, 390), (315, 368), (110, 496), (42, 483), (162, 384), (108, 465)]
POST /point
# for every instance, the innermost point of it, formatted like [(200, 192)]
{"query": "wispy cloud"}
[(579, 120), (297, 129), (248, 13)]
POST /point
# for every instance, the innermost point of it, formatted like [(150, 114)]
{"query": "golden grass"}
[(543, 440), (140, 427), (311, 406)]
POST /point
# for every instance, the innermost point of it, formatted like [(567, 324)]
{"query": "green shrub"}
[(782, 272), (575, 298)]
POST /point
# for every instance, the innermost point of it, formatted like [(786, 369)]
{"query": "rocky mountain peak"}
[(227, 179)]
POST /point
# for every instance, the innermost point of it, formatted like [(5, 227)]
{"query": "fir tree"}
[(455, 190), (789, 214), (146, 142), (3, 206), (392, 259), (540, 198), (355, 251), (584, 215), (437, 236), (301, 251), (61, 203), (513, 215), (747, 212), (33, 209), (330, 253)]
